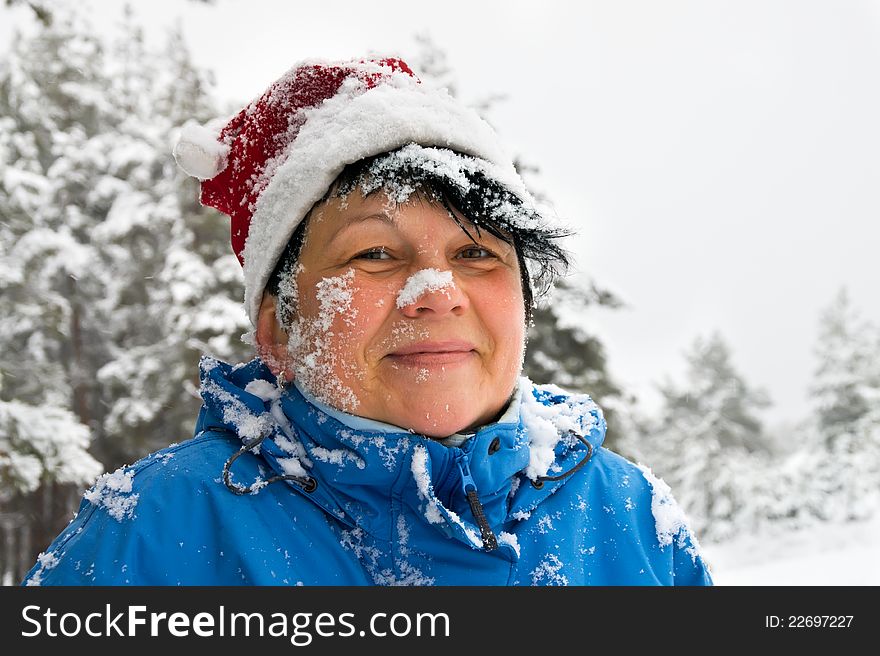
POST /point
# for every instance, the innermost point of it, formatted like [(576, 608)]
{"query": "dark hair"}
[(466, 192)]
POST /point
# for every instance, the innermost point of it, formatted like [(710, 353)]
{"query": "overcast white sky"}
[(719, 158)]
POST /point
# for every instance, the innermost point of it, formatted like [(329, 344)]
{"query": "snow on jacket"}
[(278, 489)]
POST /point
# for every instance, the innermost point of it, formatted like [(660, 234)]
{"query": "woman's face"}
[(401, 318)]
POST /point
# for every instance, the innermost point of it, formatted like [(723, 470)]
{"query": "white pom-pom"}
[(199, 153)]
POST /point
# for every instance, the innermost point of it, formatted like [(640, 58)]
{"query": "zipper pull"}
[(490, 542)]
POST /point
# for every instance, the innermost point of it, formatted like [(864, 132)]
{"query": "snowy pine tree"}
[(561, 348), (182, 296), (123, 279), (843, 383), (49, 349), (708, 441), (846, 398), (113, 279)]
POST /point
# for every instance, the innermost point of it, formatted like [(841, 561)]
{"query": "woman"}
[(384, 434)]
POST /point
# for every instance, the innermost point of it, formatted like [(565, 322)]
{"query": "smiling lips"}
[(424, 354)]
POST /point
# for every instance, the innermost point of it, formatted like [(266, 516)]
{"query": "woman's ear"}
[(271, 338)]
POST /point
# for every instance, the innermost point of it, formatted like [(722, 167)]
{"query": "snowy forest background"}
[(114, 280)]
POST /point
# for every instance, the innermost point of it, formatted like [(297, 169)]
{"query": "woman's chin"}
[(437, 429), (437, 407), (433, 420)]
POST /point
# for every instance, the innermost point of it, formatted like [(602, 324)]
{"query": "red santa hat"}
[(268, 165)]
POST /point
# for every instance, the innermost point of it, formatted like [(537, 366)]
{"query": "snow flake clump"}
[(669, 517), (113, 492), (47, 561), (509, 539), (419, 468), (249, 426), (263, 390), (423, 281), (335, 295), (547, 572), (546, 424), (458, 171), (338, 456), (434, 510)]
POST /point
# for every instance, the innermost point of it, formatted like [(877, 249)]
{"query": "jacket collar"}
[(359, 463)]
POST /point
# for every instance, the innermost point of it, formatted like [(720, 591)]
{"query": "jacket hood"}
[(514, 463)]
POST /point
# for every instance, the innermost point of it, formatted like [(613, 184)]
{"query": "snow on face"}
[(354, 342), (310, 341), (334, 294), (426, 280)]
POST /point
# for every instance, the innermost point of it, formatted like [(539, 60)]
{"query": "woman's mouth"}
[(426, 354)]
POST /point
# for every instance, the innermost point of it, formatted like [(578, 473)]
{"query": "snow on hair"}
[(474, 199)]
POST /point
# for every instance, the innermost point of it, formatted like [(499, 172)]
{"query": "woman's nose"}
[(435, 297)]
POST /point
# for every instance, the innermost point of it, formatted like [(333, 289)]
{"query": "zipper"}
[(490, 542)]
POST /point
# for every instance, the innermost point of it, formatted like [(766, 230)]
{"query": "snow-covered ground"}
[(830, 554)]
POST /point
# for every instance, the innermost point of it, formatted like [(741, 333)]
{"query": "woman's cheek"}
[(346, 347), (502, 309), (355, 331), (323, 340)]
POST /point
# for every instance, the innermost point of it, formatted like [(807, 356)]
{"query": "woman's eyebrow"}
[(359, 219)]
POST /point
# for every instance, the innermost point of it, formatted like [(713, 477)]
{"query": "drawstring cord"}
[(308, 483), (538, 483)]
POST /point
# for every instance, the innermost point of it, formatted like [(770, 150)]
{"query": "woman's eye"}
[(375, 254), (475, 252)]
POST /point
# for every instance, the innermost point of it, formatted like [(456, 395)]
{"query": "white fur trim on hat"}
[(345, 129)]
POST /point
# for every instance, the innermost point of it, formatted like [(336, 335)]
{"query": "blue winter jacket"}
[(278, 489)]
